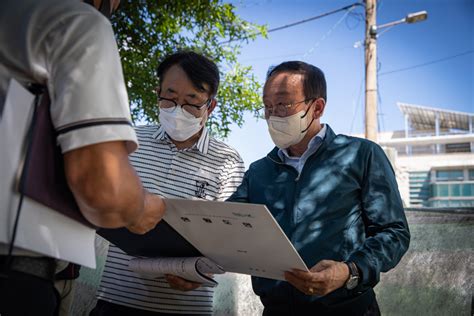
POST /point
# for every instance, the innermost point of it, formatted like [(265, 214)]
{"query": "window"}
[(471, 174), (440, 190), (439, 203), (458, 148), (449, 175), (419, 185), (455, 189), (467, 189), (452, 203), (419, 176)]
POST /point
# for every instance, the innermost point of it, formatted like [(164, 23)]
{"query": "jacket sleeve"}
[(386, 227)]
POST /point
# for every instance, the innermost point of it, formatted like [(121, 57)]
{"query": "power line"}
[(427, 63), (279, 28), (311, 50), (357, 104), (351, 6)]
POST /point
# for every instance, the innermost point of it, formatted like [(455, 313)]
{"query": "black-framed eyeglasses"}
[(280, 109), (171, 105)]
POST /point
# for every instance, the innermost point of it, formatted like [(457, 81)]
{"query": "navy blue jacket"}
[(344, 206)]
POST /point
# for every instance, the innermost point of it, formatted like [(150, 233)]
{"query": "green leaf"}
[(147, 31)]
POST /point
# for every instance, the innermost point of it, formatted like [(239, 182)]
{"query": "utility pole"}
[(370, 72), (371, 28)]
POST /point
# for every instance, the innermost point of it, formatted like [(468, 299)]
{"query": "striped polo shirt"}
[(209, 170)]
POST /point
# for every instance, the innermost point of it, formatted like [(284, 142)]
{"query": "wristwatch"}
[(353, 280)]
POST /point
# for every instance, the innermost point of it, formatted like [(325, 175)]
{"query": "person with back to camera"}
[(69, 47)]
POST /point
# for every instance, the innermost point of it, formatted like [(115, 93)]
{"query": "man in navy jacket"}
[(334, 196)]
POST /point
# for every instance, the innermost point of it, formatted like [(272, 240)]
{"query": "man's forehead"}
[(192, 93), (282, 92), (175, 79), (283, 84)]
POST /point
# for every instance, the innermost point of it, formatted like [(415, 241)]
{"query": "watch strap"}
[(353, 279), (353, 271)]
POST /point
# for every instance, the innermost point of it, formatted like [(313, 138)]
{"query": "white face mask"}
[(290, 130), (179, 124)]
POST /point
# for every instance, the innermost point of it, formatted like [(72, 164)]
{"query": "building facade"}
[(433, 157)]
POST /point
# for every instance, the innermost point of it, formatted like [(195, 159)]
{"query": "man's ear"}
[(211, 107), (319, 106), (157, 91)]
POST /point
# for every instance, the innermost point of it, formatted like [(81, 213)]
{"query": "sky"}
[(429, 63)]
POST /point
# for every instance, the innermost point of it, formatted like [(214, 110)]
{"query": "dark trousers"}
[(104, 308), (26, 286), (361, 305), (23, 294), (372, 310)]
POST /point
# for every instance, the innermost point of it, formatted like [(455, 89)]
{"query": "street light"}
[(416, 17), (371, 29), (410, 18)]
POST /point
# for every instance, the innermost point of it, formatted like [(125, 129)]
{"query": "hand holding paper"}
[(240, 237), (153, 212), (180, 284)]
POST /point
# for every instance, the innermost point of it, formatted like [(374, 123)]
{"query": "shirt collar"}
[(314, 142), (202, 144)]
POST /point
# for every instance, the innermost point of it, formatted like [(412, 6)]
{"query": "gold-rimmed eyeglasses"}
[(280, 109)]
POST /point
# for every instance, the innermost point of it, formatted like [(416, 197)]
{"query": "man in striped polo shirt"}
[(177, 159)]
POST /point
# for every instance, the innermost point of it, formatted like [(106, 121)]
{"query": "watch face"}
[(352, 283)]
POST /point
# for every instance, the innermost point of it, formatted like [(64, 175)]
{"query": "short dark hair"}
[(200, 69), (314, 82)]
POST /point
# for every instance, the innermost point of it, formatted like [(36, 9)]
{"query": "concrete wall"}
[(435, 277)]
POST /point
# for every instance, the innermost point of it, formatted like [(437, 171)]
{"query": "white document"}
[(41, 230), (195, 269), (240, 237)]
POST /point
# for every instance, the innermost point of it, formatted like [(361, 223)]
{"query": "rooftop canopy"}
[(424, 118)]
